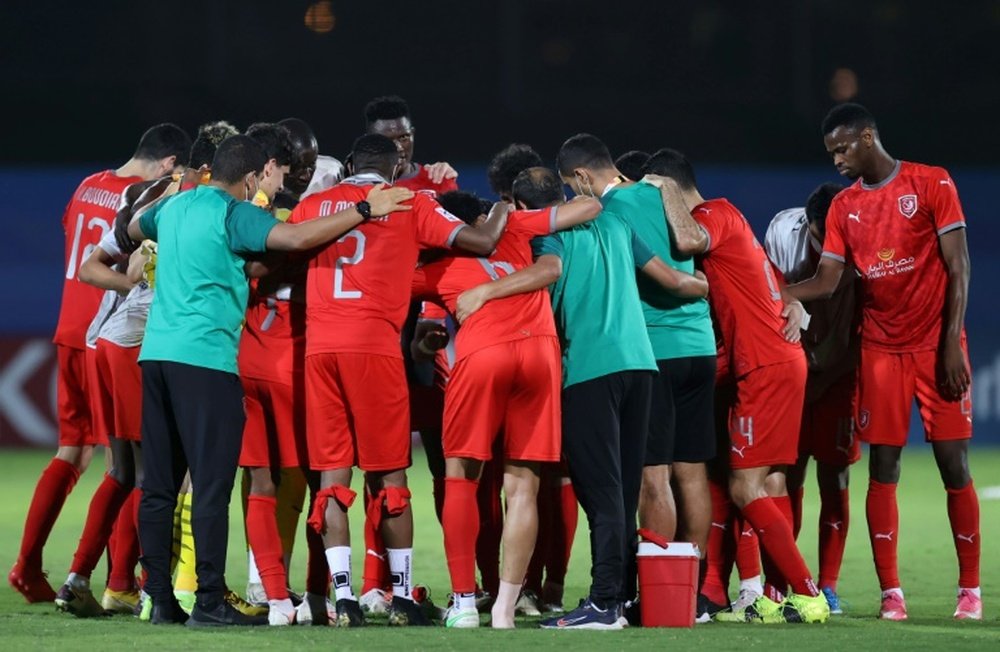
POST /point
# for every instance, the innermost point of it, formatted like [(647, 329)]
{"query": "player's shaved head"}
[(300, 132), (507, 164), (305, 152), (583, 151), (374, 152), (630, 164), (848, 115), (671, 163), (464, 205), (538, 187), (236, 157)]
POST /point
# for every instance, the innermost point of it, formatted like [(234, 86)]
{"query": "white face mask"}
[(589, 192)]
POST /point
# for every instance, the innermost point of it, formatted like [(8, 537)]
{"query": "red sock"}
[(747, 549), (796, 506), (55, 483), (125, 552), (438, 497), (963, 512), (104, 509), (563, 533), (376, 558), (461, 528), (720, 549), (265, 541), (883, 531), (491, 525), (317, 570), (776, 584), (834, 518), (775, 534)]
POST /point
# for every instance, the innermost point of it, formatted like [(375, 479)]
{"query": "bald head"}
[(305, 151)]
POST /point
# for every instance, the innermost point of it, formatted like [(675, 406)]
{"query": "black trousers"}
[(605, 425), (192, 417)]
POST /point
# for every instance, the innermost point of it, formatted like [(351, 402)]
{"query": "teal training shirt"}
[(596, 302), (678, 328), (201, 288)]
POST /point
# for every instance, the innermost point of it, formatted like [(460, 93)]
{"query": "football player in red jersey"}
[(902, 226), (509, 352), (794, 242), (357, 295), (89, 215), (390, 117), (768, 370)]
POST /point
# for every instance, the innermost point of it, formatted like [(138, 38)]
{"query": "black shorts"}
[(682, 415)]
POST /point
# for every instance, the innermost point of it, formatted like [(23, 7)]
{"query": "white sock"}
[(974, 591), (752, 584), (401, 568), (339, 560), (886, 593), (507, 598), (465, 600), (284, 606), (253, 573), (78, 581)]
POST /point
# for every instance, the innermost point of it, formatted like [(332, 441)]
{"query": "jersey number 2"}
[(338, 267)]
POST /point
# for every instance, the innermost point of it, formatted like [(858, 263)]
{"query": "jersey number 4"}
[(338, 267)]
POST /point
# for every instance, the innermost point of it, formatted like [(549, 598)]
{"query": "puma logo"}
[(721, 526), (747, 532), (371, 552), (966, 537), (834, 524), (739, 451), (884, 535), (855, 216)]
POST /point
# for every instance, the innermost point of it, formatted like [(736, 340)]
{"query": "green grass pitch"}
[(927, 564)]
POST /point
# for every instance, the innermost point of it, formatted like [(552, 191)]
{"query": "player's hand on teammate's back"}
[(440, 171), (385, 199), (793, 313), (470, 301), (953, 372)]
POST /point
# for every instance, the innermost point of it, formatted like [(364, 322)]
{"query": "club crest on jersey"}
[(908, 205), (864, 417)]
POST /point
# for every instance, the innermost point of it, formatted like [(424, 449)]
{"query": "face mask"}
[(252, 195), (589, 192)]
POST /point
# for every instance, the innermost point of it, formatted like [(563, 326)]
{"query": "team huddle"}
[(240, 301)]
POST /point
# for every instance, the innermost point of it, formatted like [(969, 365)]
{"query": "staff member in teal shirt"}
[(192, 404)]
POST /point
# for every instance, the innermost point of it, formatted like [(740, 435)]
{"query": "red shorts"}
[(274, 435), (102, 399), (514, 385), (72, 399), (766, 415), (357, 412), (120, 366), (828, 425), (888, 383)]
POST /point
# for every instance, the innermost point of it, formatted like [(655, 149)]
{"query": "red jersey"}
[(744, 291), (512, 318), (272, 345), (422, 181), (89, 215), (890, 232), (358, 288)]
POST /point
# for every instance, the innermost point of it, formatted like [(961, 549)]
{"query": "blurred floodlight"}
[(843, 85), (320, 18)]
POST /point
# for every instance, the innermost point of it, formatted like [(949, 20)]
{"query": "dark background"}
[(725, 81)]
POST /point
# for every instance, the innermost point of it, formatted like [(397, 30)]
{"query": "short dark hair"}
[(818, 204), (463, 205), (207, 141), (510, 162), (583, 151), (538, 187), (275, 139), (373, 150), (850, 115), (235, 157), (164, 140), (386, 107), (630, 164), (671, 163)]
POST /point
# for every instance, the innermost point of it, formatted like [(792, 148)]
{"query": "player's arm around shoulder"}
[(681, 284), (483, 239), (689, 236), (579, 210), (545, 271)]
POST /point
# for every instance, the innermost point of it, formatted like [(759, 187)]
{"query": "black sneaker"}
[(707, 609), (632, 614), (167, 612), (222, 615), (349, 614), (407, 613)]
